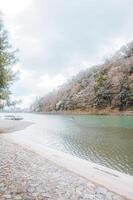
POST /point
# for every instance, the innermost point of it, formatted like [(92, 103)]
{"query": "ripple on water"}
[(104, 140), (114, 152)]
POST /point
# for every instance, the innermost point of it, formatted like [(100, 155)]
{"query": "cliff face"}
[(108, 86)]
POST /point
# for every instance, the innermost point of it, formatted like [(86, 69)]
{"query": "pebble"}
[(25, 175)]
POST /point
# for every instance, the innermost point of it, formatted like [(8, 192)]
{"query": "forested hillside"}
[(107, 87)]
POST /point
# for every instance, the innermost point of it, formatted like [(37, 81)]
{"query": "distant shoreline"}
[(115, 113)]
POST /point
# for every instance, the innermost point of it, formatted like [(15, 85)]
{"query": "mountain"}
[(105, 88)]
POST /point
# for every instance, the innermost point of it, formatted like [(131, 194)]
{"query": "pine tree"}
[(7, 59)]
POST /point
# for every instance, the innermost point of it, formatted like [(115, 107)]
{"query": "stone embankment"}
[(26, 175)]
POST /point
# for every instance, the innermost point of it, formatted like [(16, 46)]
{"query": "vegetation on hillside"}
[(105, 87)]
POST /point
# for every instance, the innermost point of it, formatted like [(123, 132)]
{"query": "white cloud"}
[(48, 83), (13, 7), (26, 100), (39, 84), (34, 84)]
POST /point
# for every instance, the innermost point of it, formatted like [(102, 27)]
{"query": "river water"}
[(106, 140)]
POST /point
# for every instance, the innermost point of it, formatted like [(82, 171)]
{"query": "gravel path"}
[(26, 175)]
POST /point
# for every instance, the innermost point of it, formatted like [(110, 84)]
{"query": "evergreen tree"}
[(7, 59), (103, 96)]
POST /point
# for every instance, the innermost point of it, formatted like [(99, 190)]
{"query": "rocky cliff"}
[(105, 87)]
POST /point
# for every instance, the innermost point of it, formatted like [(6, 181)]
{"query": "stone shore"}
[(7, 126), (26, 175)]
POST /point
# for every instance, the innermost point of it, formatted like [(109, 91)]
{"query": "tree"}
[(103, 96), (7, 59), (125, 98)]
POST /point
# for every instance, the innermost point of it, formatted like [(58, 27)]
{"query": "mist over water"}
[(106, 140)]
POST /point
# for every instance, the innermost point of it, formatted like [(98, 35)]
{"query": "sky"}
[(58, 38)]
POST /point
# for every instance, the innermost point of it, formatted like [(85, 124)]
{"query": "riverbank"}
[(92, 112), (112, 180), (7, 126), (27, 175)]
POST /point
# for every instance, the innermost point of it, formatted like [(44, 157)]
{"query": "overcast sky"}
[(58, 38)]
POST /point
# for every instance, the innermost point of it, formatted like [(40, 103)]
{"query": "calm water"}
[(106, 140)]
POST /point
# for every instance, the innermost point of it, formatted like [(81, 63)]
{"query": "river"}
[(106, 140)]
